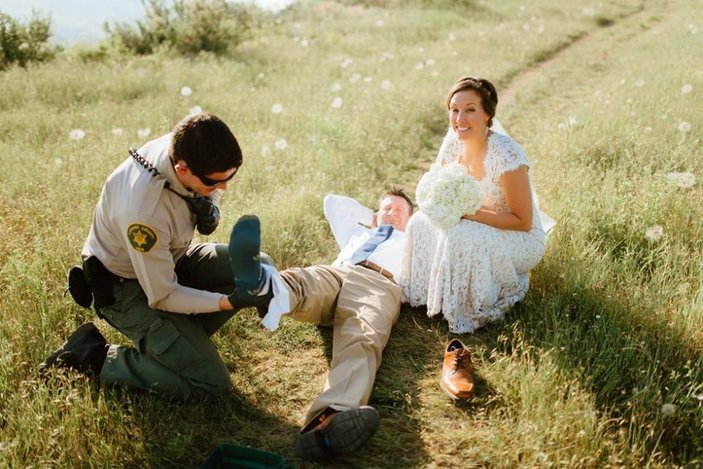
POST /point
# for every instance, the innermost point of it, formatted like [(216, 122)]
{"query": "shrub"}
[(187, 28), (22, 44)]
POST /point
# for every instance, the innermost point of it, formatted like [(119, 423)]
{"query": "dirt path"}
[(623, 28)]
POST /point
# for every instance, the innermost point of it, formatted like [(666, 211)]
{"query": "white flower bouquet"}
[(445, 193)]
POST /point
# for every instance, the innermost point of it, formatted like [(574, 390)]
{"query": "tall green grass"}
[(581, 374)]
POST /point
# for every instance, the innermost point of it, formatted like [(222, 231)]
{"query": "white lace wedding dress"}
[(472, 272)]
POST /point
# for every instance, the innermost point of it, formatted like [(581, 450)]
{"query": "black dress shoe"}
[(84, 350), (337, 433)]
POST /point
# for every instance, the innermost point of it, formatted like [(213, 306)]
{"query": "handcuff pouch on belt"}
[(91, 282)]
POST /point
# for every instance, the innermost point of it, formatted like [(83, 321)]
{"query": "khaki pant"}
[(362, 306), (172, 352)]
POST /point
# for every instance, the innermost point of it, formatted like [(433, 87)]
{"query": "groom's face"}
[(394, 210)]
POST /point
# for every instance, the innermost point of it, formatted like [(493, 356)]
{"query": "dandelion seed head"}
[(265, 151), (143, 133), (354, 78), (186, 91), (386, 85), (304, 43), (419, 66), (687, 88), (668, 409), (277, 108), (685, 180), (76, 134), (654, 233), (58, 162), (429, 62), (281, 144), (195, 110), (335, 87), (337, 102), (684, 127), (379, 23), (117, 132), (639, 83)]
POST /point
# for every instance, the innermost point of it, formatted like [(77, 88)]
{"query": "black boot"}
[(84, 350)]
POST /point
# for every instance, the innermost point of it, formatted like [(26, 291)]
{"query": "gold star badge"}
[(141, 237)]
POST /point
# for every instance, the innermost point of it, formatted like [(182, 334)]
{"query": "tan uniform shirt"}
[(140, 229)]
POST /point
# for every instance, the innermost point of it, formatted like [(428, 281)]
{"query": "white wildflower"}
[(379, 23), (700, 397), (386, 85), (304, 43), (281, 144), (265, 151), (58, 162), (354, 78), (639, 83), (117, 132), (195, 110), (684, 127), (186, 91), (277, 108), (144, 133), (685, 89), (337, 102), (429, 62), (668, 409), (685, 180), (335, 87), (445, 193), (654, 233), (76, 134)]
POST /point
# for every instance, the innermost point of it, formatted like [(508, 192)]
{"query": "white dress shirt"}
[(350, 223)]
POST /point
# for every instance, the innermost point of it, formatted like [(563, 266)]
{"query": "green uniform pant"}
[(172, 352)]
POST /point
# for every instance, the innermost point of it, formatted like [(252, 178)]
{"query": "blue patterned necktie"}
[(383, 232)]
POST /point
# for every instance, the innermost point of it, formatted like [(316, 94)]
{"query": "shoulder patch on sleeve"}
[(141, 237)]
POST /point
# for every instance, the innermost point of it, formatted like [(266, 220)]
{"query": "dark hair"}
[(484, 88), (206, 144), (397, 191)]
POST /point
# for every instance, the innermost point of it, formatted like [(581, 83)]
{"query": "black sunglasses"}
[(214, 182)]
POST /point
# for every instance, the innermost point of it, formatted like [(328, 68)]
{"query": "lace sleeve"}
[(450, 151), (508, 154)]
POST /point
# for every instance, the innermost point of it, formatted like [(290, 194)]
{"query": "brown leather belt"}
[(377, 268)]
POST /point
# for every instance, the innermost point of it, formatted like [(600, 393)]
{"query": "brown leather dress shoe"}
[(457, 379)]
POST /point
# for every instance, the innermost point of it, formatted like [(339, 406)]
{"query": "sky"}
[(81, 21)]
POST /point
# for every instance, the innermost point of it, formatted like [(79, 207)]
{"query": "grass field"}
[(600, 366)]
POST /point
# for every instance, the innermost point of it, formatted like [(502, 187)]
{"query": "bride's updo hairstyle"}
[(484, 88)]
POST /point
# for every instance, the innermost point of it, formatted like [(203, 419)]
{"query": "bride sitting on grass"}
[(475, 268)]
